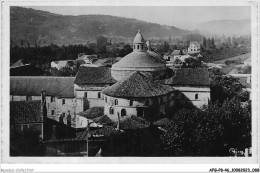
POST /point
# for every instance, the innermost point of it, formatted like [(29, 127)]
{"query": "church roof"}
[(137, 85), (94, 75), (138, 38), (33, 85), (190, 77), (138, 60)]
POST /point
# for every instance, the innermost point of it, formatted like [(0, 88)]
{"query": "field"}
[(242, 57)]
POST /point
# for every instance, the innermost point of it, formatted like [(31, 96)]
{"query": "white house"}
[(194, 47)]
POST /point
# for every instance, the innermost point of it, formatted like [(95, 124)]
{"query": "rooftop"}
[(25, 112), (139, 38), (137, 85), (33, 85), (190, 77), (94, 75), (104, 119), (132, 122)]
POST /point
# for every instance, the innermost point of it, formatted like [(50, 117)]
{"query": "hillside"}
[(226, 27), (43, 28)]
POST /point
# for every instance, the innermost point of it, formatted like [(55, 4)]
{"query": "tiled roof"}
[(196, 43), (156, 55), (25, 112), (103, 120), (139, 60), (33, 85), (17, 64), (139, 38), (176, 52), (133, 122), (104, 131), (94, 75), (137, 85), (162, 122), (93, 112), (190, 77)]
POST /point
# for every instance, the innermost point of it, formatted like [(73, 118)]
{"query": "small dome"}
[(138, 38)]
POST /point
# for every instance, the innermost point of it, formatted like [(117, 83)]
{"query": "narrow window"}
[(86, 94), (116, 102), (52, 112), (99, 95), (52, 99), (123, 112), (137, 46), (196, 96), (63, 101), (111, 110), (131, 102), (106, 99)]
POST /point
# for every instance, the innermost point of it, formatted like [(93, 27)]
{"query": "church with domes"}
[(138, 85)]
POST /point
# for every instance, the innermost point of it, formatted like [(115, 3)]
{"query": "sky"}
[(184, 17)]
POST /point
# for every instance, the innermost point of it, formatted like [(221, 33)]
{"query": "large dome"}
[(139, 60)]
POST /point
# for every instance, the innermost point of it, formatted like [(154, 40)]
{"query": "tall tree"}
[(204, 42)]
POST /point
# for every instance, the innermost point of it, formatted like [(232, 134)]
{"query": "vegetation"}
[(209, 132)]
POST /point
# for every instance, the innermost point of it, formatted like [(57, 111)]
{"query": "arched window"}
[(105, 99), (99, 95), (116, 102), (123, 112), (131, 102), (86, 94), (111, 110), (196, 96)]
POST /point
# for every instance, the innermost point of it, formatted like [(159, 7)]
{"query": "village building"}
[(63, 64), (137, 95), (88, 59), (60, 98), (194, 83), (85, 118), (22, 120), (138, 60), (194, 47), (89, 83)]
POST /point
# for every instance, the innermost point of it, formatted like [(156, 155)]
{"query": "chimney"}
[(118, 121)]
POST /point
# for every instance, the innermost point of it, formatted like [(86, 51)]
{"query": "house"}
[(137, 95), (62, 64), (60, 98), (194, 47), (245, 80), (89, 83), (86, 117), (27, 116), (176, 53), (194, 83), (21, 69), (88, 59)]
